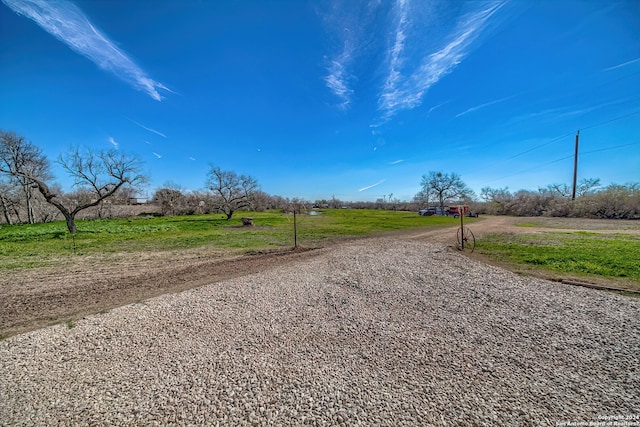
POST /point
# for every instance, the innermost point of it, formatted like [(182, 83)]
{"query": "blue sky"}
[(353, 99)]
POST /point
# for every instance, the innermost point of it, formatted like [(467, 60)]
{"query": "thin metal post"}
[(295, 230), (460, 211)]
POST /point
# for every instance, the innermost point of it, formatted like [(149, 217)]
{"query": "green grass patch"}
[(578, 253), (27, 246), (526, 224)]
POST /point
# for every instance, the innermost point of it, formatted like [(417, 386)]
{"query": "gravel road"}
[(387, 331)]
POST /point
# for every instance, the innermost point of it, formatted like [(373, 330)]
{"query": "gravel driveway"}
[(385, 331)]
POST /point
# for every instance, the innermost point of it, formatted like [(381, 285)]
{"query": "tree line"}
[(99, 177), (615, 201), (103, 179)]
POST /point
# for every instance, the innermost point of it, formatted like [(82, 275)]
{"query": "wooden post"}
[(575, 168)]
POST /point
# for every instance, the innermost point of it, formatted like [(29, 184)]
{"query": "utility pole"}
[(575, 168)]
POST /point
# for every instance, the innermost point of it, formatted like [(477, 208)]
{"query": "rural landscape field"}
[(320, 213), (216, 322), (142, 257), (116, 257)]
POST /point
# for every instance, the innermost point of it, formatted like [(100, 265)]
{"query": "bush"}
[(612, 202)]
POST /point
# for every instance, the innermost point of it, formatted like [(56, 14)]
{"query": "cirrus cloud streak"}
[(405, 91), (407, 46), (65, 21), (371, 186)]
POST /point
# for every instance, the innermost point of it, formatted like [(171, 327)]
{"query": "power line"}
[(612, 120), (530, 169), (540, 146), (571, 133), (564, 136), (610, 148), (564, 158)]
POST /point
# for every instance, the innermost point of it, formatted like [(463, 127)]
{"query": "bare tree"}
[(498, 199), (335, 203), (588, 186), (9, 201), (262, 201), (562, 190), (585, 186), (445, 187), (20, 159), (198, 202), (97, 175), (170, 198), (422, 197), (232, 192)]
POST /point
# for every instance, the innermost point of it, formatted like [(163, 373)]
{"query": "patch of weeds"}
[(630, 294), (526, 224), (70, 324), (577, 233)]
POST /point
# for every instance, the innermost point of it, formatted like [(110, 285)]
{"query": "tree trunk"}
[(5, 210), (16, 211), (27, 194), (71, 222), (229, 214), (100, 208)]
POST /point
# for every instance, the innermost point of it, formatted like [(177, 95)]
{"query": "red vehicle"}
[(455, 211)]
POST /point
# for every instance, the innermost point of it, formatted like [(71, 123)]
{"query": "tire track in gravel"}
[(49, 297)]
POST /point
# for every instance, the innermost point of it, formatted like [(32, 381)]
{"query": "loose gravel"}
[(375, 332)]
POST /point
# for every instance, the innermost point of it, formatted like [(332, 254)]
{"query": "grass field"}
[(580, 253), (24, 246), (595, 251)]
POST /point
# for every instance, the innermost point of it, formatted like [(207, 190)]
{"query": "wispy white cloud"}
[(348, 23), (157, 155), (192, 158), (569, 111), (390, 91), (395, 162), (371, 186), (65, 21), (147, 128), (113, 142), (403, 91), (337, 79), (624, 64), (435, 107), (486, 104)]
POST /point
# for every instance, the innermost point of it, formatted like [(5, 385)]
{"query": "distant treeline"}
[(611, 202), (107, 183)]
